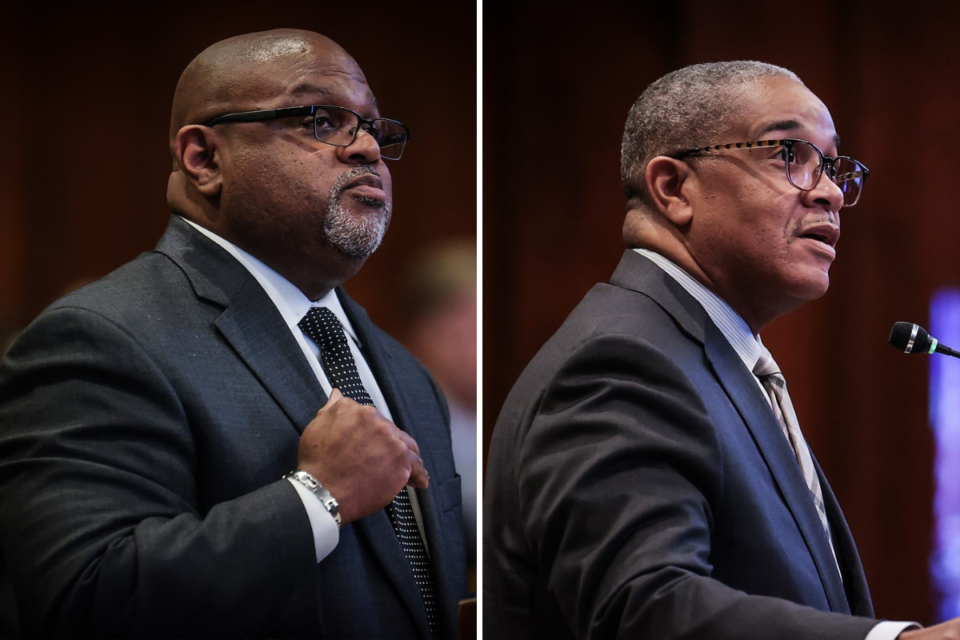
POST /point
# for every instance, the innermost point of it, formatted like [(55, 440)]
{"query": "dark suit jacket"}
[(639, 486), (145, 424)]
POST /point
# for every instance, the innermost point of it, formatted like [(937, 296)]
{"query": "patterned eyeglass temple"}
[(736, 145)]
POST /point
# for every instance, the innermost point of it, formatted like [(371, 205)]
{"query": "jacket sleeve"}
[(616, 481), (99, 513)]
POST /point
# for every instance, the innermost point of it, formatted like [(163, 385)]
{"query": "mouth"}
[(367, 188), (824, 233), (367, 179)]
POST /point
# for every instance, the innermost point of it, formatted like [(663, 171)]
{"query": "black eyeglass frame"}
[(298, 112), (787, 143)]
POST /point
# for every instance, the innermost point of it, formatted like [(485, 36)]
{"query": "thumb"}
[(332, 400)]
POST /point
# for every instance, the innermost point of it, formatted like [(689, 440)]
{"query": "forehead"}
[(778, 107), (324, 78)]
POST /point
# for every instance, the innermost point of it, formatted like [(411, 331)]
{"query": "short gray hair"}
[(685, 109)]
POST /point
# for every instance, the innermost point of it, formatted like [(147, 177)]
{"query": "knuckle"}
[(398, 445)]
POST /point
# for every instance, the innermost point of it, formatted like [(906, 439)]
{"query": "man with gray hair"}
[(214, 440), (647, 476)]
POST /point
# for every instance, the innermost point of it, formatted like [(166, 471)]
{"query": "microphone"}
[(912, 338)]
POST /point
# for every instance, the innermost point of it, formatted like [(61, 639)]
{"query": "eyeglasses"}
[(804, 164), (337, 126)]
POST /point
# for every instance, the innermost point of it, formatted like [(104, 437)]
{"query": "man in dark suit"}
[(148, 421), (647, 477)]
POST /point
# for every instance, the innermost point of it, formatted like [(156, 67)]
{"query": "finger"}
[(407, 440), (332, 400), (419, 477)]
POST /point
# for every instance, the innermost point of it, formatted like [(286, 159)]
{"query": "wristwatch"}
[(328, 501)]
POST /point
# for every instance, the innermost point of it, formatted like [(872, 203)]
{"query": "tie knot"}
[(766, 365), (322, 326)]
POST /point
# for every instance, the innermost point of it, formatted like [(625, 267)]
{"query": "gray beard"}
[(354, 235)]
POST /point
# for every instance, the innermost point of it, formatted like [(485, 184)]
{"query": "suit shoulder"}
[(149, 279), (145, 302), (609, 313), (612, 332)]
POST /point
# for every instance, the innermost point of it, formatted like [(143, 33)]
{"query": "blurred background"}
[(86, 93), (884, 426)]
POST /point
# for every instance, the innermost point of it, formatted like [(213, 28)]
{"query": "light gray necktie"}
[(773, 383)]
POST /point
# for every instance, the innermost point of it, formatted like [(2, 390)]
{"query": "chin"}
[(355, 236), (812, 287)]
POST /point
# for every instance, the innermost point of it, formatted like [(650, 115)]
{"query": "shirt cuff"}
[(326, 533), (890, 630)]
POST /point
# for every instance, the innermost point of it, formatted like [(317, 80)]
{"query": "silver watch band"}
[(328, 501)]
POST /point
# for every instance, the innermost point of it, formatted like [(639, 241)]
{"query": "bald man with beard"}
[(181, 452)]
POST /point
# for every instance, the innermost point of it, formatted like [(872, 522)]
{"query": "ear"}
[(669, 183), (196, 151)]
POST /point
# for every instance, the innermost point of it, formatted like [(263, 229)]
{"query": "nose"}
[(826, 195), (363, 150)]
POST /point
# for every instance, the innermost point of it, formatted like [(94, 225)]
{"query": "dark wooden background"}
[(85, 109), (557, 87)]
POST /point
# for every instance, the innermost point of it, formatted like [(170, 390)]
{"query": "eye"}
[(374, 129), (326, 121), (787, 155)]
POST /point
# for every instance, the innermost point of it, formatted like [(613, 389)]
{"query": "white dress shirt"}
[(749, 347), (293, 305)]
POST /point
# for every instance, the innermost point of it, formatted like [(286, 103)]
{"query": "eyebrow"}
[(309, 87), (786, 125)]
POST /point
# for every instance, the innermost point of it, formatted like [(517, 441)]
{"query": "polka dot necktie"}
[(323, 327)]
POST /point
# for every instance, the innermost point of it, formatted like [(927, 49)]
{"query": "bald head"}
[(238, 73), (310, 209)]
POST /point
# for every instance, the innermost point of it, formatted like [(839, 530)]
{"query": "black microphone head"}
[(910, 338)]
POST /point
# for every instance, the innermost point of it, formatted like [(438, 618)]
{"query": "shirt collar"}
[(289, 300), (734, 328)]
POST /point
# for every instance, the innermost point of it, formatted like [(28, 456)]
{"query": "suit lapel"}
[(257, 332), (250, 322), (779, 456), (854, 579), (378, 531), (637, 273), (377, 527)]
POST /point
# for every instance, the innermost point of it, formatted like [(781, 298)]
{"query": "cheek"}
[(300, 179), (277, 187), (768, 220), (758, 238)]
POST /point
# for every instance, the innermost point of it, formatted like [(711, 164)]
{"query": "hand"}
[(949, 630), (361, 458)]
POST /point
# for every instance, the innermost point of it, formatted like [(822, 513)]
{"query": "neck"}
[(737, 297)]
